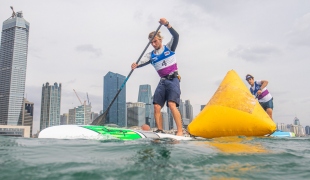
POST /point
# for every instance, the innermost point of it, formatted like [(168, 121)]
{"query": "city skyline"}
[(250, 37)]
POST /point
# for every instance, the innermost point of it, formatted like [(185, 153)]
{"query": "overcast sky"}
[(77, 42)]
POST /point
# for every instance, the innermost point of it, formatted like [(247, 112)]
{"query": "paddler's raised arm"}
[(172, 45)]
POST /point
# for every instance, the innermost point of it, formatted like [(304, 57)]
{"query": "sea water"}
[(218, 158)]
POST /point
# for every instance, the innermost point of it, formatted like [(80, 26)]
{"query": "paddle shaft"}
[(122, 86)]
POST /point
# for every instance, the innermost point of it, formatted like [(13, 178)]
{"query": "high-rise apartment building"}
[(117, 113), (135, 114), (13, 65), (145, 95), (83, 114), (50, 105), (80, 115)]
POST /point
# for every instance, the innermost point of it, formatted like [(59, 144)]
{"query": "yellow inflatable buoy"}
[(232, 111)]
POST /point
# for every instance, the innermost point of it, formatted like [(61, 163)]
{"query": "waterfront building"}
[(112, 82), (296, 121), (282, 127), (27, 114), (16, 131), (80, 115), (71, 118), (307, 130), (13, 65), (64, 119), (297, 128), (145, 95), (50, 105), (83, 114), (135, 114)]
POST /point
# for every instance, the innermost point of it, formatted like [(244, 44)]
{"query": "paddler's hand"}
[(134, 66), (259, 92), (163, 21)]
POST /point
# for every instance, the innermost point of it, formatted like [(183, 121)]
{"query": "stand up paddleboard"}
[(101, 133)]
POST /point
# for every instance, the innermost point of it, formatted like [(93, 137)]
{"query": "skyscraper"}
[(13, 65), (145, 95), (117, 113), (50, 105)]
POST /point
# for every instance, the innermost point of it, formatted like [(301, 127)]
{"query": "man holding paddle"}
[(164, 61), (259, 90)]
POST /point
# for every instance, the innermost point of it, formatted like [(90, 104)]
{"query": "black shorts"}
[(167, 90), (268, 104)]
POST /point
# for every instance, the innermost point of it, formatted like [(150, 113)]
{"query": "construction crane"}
[(13, 14), (78, 97)]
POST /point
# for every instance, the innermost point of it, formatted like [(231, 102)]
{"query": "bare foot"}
[(179, 134)]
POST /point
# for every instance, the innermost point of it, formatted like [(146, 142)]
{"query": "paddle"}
[(100, 120)]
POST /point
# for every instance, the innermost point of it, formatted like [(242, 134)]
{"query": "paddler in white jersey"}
[(259, 90), (168, 90)]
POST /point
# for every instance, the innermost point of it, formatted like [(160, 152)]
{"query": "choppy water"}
[(221, 158)]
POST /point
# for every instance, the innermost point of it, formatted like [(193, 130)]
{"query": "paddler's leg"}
[(269, 112), (268, 107), (159, 102), (177, 117), (158, 117)]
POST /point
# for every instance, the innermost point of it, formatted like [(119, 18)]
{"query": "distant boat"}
[(279, 133)]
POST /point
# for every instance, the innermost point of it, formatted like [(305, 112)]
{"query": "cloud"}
[(300, 33), (89, 48), (254, 53)]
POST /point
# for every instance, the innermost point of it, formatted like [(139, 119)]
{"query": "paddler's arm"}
[(144, 61), (264, 83), (172, 45)]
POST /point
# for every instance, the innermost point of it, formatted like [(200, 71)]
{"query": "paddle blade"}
[(100, 120)]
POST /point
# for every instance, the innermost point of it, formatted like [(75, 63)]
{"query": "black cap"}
[(248, 76)]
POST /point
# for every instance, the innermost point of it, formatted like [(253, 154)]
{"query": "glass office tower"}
[(13, 65), (50, 105), (117, 113)]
